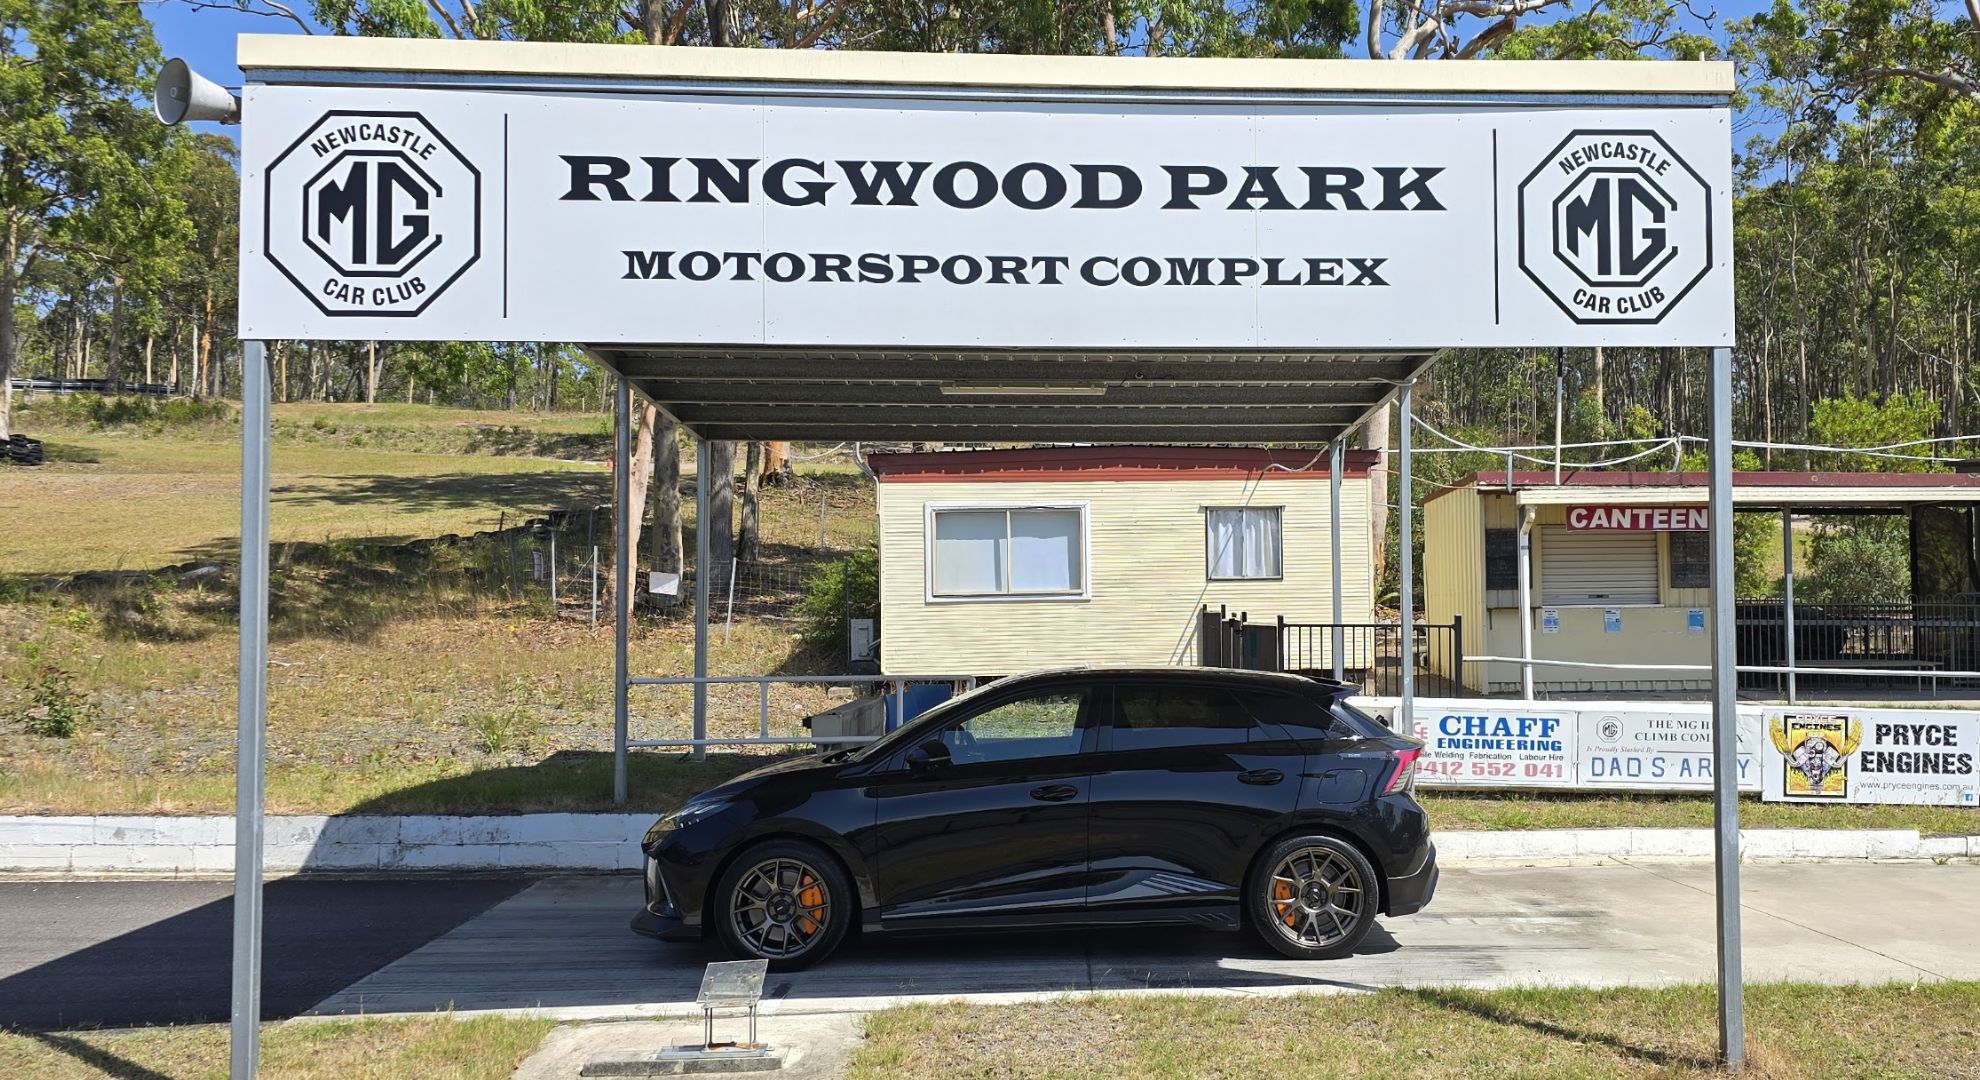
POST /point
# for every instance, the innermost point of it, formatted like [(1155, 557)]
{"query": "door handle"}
[(1261, 776), (1054, 792)]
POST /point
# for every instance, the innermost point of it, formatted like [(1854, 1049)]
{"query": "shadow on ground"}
[(128, 953)]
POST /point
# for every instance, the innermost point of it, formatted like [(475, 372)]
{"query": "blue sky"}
[(204, 37)]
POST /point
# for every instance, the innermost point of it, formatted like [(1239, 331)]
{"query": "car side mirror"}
[(929, 755)]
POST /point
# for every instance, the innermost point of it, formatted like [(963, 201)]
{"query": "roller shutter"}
[(1597, 568)]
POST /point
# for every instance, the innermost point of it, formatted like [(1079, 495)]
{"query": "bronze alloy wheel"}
[(1314, 897), (780, 908), (1317, 897)]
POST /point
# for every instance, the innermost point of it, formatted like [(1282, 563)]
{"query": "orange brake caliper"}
[(1282, 893), (813, 899)]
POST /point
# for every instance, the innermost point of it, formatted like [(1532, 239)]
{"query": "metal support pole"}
[(251, 738), (622, 594), (1406, 550), (1334, 461), (1725, 722), (703, 498), (1525, 602), (1787, 596)]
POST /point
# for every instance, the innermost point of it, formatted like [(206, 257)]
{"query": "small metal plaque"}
[(732, 983)]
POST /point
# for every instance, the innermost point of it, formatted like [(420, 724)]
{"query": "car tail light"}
[(1403, 780)]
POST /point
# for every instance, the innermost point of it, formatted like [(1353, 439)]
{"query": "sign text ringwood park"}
[(455, 214)]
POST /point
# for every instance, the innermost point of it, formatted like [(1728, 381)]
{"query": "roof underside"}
[(960, 396)]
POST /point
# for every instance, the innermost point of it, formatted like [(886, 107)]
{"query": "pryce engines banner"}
[(687, 218), (1871, 756)]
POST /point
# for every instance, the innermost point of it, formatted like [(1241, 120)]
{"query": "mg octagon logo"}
[(1615, 227), (372, 213)]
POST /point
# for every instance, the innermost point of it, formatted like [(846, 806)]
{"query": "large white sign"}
[(1664, 749), (1487, 744), (446, 214), (1872, 756)]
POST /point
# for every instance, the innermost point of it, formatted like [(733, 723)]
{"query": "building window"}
[(1691, 560), (1242, 542), (1008, 551)]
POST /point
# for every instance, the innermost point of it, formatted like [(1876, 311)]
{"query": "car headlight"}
[(684, 816)]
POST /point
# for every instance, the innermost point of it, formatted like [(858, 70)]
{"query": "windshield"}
[(908, 732)]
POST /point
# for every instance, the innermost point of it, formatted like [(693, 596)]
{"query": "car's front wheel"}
[(785, 901), (1314, 897)]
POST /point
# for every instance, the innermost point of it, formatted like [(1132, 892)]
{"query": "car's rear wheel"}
[(1314, 897), (785, 901)]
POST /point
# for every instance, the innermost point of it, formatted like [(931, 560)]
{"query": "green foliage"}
[(1857, 560), (837, 591), (55, 706), (1853, 421), (149, 414)]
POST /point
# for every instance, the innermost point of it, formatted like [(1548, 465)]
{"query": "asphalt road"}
[(119, 953)]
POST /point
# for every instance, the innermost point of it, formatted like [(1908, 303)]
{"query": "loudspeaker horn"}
[(184, 94)]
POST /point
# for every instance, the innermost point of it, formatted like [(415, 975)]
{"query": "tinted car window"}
[(1149, 717), (1297, 715), (1039, 725)]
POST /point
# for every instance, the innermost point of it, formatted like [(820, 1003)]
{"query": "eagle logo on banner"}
[(1817, 749)]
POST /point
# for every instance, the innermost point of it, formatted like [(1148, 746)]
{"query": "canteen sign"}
[(1637, 518), (808, 220)]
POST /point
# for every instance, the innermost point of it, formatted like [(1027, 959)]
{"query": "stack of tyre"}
[(21, 450)]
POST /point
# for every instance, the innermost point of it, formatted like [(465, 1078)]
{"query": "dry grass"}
[(435, 1048), (110, 501), (1795, 1031)]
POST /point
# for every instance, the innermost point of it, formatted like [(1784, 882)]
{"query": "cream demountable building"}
[(999, 561)]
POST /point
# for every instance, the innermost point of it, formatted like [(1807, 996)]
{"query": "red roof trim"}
[(1143, 463), (1670, 480)]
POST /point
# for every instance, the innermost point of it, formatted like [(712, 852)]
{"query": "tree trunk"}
[(776, 463), (1375, 436), (148, 341), (203, 358), (371, 373), (640, 472), (746, 541), (1601, 404), (724, 30), (281, 371), (721, 523), (667, 546), (113, 368), (8, 284), (174, 378)]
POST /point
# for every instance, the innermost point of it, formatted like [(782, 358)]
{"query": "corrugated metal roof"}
[(962, 396)]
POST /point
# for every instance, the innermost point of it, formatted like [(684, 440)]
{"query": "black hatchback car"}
[(1204, 798)]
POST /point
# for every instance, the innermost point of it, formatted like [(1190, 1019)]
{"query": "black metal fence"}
[(91, 386), (1919, 636), (1371, 653)]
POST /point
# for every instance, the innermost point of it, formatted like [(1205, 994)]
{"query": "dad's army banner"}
[(1787, 755)]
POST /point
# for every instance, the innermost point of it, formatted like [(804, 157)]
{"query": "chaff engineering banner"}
[(1077, 223), (1872, 756)]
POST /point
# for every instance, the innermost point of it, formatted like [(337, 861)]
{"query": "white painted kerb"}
[(610, 842)]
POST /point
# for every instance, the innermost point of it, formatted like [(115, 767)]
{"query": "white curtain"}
[(969, 552), (1244, 543), (1045, 551)]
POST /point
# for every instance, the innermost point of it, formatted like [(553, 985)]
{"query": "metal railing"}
[(92, 386), (1862, 643), (898, 692), (1372, 653)]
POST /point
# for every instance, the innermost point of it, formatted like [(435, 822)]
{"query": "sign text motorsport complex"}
[(469, 215)]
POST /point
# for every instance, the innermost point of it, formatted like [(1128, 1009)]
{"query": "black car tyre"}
[(1313, 897), (785, 901)]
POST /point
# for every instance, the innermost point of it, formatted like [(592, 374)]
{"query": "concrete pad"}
[(815, 1045), (561, 947)]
